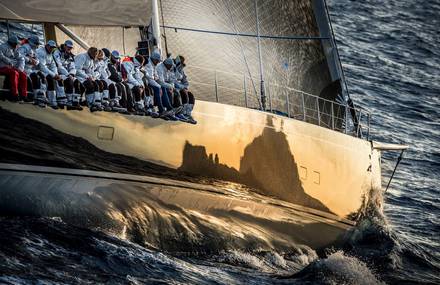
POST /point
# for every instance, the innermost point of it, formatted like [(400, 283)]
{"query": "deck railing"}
[(238, 89)]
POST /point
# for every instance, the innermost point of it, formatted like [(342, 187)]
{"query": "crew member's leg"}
[(166, 96), (12, 78), (138, 94), (78, 90), (91, 88), (120, 93), (61, 94), (30, 96), (188, 102), (105, 99), (51, 93), (38, 80), (166, 101), (148, 102), (22, 85), (129, 101), (158, 98)]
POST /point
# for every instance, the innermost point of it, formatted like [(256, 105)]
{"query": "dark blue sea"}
[(390, 51)]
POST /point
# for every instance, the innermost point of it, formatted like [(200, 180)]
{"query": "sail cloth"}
[(224, 61), (79, 12)]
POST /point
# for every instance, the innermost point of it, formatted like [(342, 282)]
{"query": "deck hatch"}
[(303, 173), (105, 133), (316, 177)]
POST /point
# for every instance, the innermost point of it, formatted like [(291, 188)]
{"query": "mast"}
[(155, 24), (260, 60)]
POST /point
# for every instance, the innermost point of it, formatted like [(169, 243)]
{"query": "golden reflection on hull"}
[(165, 211), (288, 159)]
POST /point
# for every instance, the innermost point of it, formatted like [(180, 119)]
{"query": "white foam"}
[(348, 270)]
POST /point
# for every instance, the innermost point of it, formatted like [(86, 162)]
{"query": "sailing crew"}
[(48, 67), (148, 99), (85, 73), (102, 74), (65, 61), (160, 100), (127, 101), (182, 84), (134, 75), (10, 61), (29, 65), (119, 93), (166, 81)]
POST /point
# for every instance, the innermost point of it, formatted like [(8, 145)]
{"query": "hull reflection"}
[(323, 171)]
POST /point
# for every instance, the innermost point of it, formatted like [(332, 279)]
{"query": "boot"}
[(61, 96), (106, 101), (188, 114), (29, 97), (75, 102), (52, 98), (182, 118), (40, 98), (139, 106), (97, 101), (178, 110), (83, 100), (90, 100), (69, 103)]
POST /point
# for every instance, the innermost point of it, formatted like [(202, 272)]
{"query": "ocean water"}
[(390, 52)]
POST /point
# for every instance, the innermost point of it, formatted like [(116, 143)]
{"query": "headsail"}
[(79, 12)]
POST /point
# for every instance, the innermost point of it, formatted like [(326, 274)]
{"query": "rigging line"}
[(242, 51), (336, 47), (164, 30), (395, 168), (123, 40), (303, 38)]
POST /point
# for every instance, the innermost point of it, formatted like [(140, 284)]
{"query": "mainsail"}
[(220, 41)]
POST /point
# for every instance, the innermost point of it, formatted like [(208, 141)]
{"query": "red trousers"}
[(17, 80)]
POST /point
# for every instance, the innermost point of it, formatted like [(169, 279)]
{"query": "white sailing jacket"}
[(85, 67), (28, 53), (66, 66), (46, 62), (102, 70), (166, 77), (10, 56), (151, 74), (134, 74), (181, 78)]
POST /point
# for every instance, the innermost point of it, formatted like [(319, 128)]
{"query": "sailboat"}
[(273, 109)]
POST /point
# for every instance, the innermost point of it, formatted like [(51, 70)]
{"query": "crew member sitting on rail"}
[(148, 92), (110, 96), (134, 80), (85, 73), (30, 66), (10, 60), (181, 84), (119, 93), (48, 67), (65, 61), (102, 74), (166, 81), (153, 78)]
